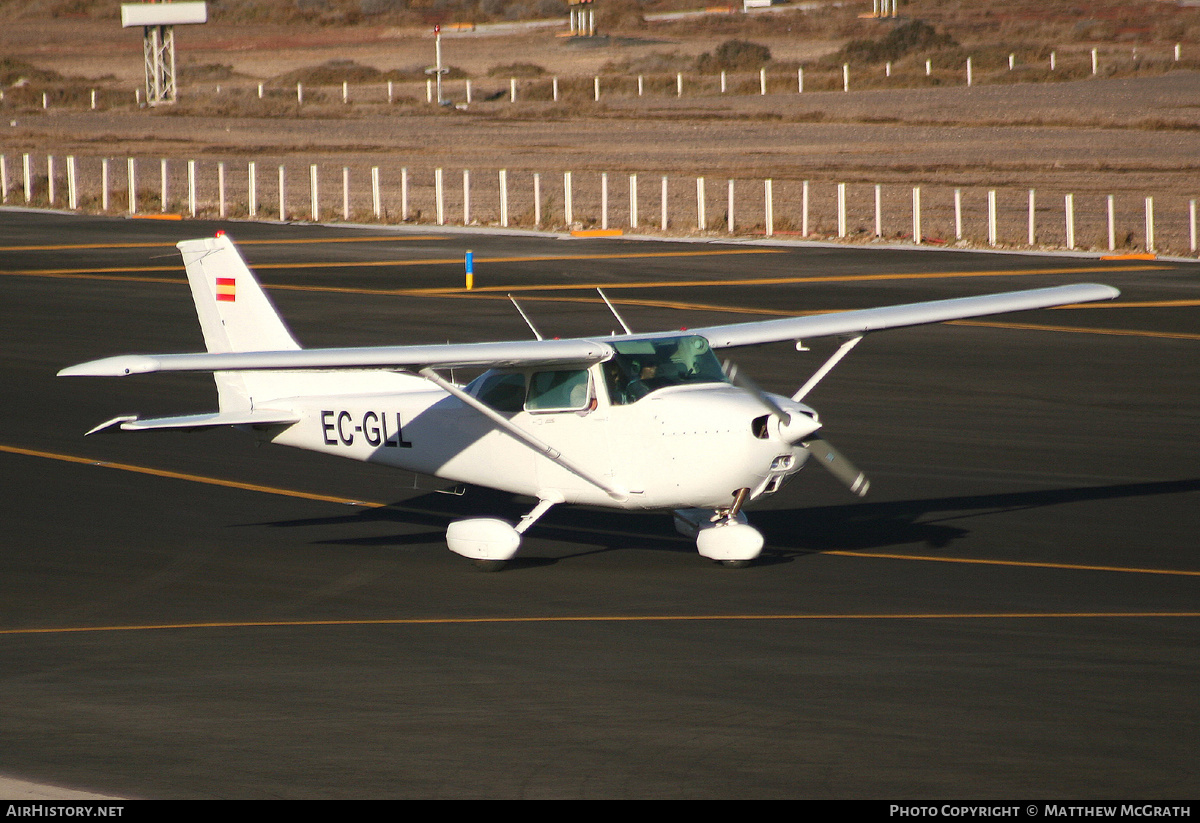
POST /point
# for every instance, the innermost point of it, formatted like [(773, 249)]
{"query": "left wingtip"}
[(112, 367)]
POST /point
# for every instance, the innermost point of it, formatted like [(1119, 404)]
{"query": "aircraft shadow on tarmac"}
[(789, 533)]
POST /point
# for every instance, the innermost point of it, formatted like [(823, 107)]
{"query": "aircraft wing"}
[(583, 352), (452, 355), (862, 321)]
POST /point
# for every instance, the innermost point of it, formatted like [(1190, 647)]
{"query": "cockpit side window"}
[(639, 367), (561, 390), (504, 392)]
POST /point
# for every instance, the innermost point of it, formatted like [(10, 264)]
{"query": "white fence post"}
[(404, 193), (1112, 224), (191, 184), (1069, 208), (958, 214), (604, 200), (345, 193), (300, 93), (376, 196), (804, 209), (131, 173), (162, 180), (841, 209), (641, 85), (633, 201), (729, 209), (679, 84), (555, 87), (845, 77), (103, 184), (968, 72), (439, 197), (221, 189), (663, 203), (1149, 224), (568, 197), (466, 177), (1192, 222), (916, 215), (596, 88), (503, 179), (3, 179), (762, 81), (282, 197), (991, 208), (50, 178), (800, 81), (72, 191), (537, 200), (769, 206), (512, 89), (252, 187), (701, 217), (1032, 227), (313, 194), (878, 210)]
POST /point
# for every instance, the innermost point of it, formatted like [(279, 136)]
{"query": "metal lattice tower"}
[(158, 21), (158, 43)]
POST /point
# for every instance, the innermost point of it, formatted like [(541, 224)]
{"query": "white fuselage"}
[(678, 447)]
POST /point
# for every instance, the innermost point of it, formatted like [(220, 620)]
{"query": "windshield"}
[(642, 366)]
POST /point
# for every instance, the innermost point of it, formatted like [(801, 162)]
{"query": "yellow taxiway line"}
[(648, 618), (170, 245), (325, 498)]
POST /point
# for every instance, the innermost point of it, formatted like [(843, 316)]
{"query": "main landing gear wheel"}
[(736, 564), (489, 565)]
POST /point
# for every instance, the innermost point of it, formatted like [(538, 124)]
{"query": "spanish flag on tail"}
[(226, 289)]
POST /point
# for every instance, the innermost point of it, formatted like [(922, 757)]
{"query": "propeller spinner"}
[(796, 428)]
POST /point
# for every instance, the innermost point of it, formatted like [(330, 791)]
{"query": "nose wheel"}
[(722, 535)]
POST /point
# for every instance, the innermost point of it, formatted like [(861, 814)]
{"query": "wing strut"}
[(540, 446), (525, 317), (613, 309), (836, 358)]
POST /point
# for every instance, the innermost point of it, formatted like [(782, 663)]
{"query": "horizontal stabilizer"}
[(201, 421)]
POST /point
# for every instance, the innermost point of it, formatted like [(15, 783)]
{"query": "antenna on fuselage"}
[(613, 309), (525, 317)]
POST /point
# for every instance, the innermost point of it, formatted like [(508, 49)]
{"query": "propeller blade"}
[(743, 382), (837, 465)]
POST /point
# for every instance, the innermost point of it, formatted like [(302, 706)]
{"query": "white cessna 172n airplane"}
[(632, 421)]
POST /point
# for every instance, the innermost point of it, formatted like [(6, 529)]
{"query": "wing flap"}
[(452, 355)]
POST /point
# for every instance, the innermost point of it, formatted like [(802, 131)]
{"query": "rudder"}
[(235, 313)]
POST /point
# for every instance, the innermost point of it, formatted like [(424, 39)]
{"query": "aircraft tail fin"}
[(235, 313), (236, 316)]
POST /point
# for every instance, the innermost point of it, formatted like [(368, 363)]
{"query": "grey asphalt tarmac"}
[(1012, 613)]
